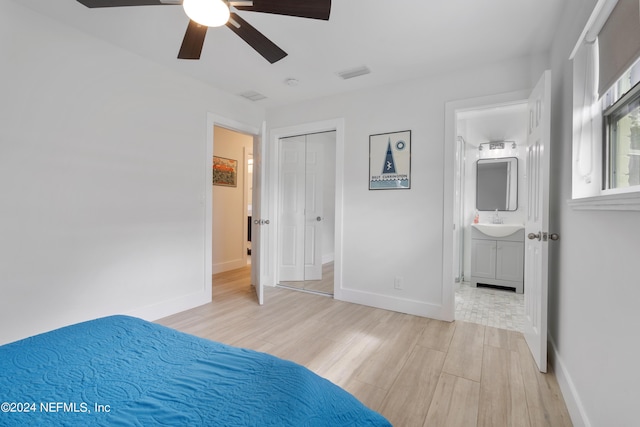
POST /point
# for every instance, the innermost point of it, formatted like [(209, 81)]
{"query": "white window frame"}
[(629, 97)]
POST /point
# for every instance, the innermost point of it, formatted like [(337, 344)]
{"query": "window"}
[(606, 113), (622, 132)]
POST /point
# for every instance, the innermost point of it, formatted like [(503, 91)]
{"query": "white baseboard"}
[(229, 265), (386, 302), (569, 392), (167, 308)]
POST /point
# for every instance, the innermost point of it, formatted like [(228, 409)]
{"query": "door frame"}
[(451, 134), (207, 197), (275, 135)]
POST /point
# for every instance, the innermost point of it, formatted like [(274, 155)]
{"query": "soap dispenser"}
[(476, 218)]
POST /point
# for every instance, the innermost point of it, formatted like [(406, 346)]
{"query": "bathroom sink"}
[(498, 230)]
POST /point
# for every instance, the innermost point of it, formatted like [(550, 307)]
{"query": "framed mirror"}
[(497, 184)]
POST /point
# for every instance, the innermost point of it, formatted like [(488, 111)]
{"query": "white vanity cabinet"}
[(497, 260)]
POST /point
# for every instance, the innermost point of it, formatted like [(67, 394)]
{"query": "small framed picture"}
[(225, 172), (390, 161)]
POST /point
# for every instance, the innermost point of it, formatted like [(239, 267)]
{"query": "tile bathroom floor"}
[(499, 308)]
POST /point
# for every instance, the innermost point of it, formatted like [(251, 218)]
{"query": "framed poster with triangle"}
[(390, 161)]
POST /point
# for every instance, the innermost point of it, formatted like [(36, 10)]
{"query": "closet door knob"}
[(532, 236)]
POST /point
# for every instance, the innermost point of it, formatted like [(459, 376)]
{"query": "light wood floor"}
[(413, 370)]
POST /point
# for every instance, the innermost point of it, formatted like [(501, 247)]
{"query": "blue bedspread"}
[(121, 370)]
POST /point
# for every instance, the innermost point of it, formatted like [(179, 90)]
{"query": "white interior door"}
[(301, 208), (314, 178), (258, 245), (292, 200), (537, 223)]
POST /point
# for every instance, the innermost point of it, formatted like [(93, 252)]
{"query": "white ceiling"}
[(397, 39)]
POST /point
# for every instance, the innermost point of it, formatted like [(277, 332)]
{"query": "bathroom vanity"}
[(497, 255)]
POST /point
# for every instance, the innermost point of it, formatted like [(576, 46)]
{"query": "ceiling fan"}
[(211, 13)]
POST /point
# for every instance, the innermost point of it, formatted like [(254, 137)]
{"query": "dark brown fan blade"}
[(255, 39), (118, 3), (193, 41), (315, 9)]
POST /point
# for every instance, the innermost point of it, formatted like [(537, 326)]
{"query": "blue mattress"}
[(120, 370)]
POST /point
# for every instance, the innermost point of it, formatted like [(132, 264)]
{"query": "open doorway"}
[(230, 199), (248, 161), (258, 273), (535, 196), (306, 212), (489, 269)]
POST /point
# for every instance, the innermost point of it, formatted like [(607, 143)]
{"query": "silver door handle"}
[(319, 218), (532, 236), (554, 236)]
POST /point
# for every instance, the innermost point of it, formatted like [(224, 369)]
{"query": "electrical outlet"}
[(397, 283)]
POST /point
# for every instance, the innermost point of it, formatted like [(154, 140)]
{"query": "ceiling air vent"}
[(355, 72), (252, 95)]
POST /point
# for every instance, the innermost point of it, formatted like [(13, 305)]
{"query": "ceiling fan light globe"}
[(212, 13)]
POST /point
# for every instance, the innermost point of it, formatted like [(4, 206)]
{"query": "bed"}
[(121, 370)]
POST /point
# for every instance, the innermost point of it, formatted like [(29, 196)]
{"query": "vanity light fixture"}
[(210, 13), (497, 145)]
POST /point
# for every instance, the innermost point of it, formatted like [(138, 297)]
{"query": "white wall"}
[(594, 287), (229, 210), (399, 232), (102, 175)]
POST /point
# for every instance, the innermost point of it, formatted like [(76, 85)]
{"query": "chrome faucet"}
[(496, 218)]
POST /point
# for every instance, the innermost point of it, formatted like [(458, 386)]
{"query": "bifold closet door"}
[(314, 219), (300, 208)]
